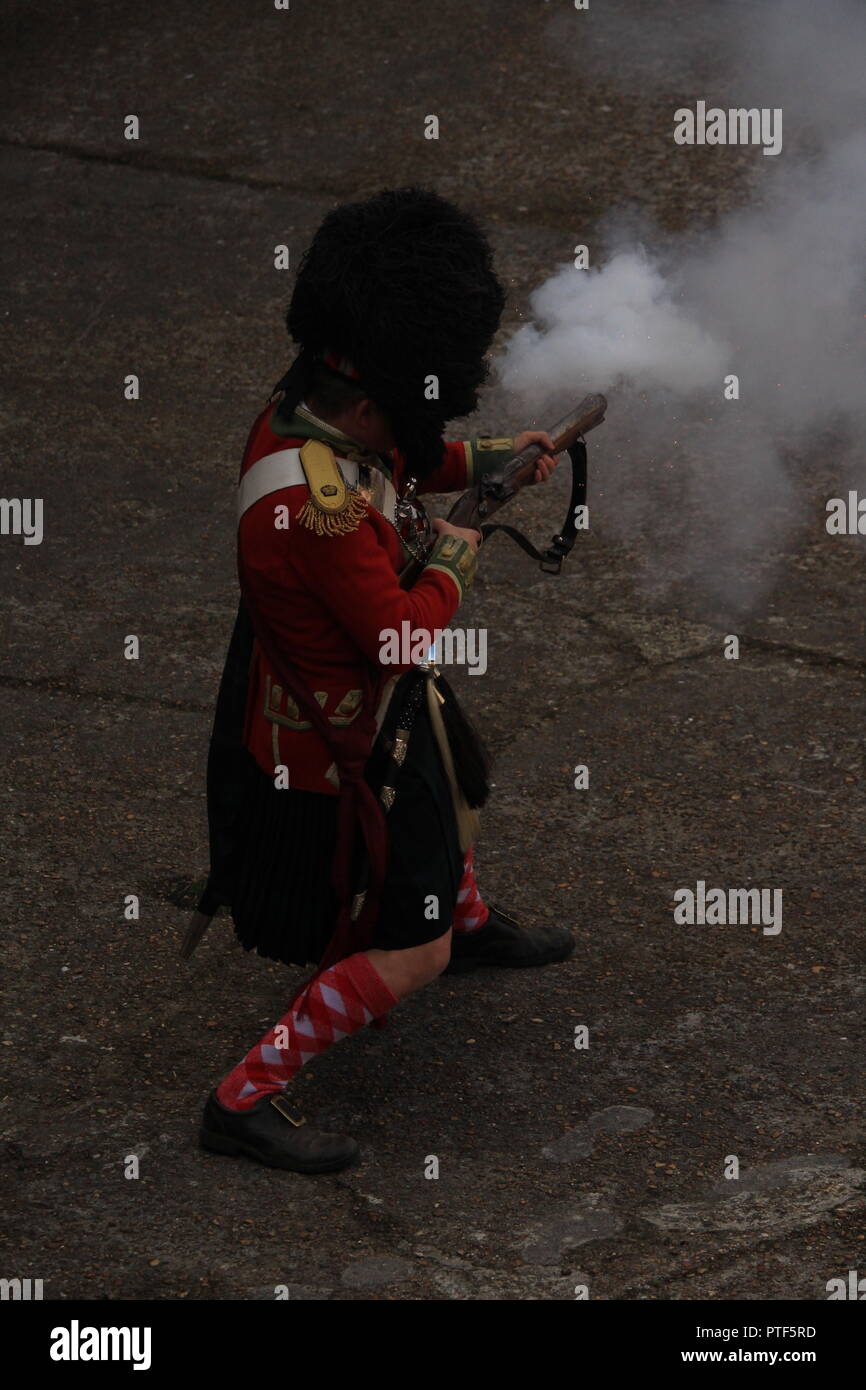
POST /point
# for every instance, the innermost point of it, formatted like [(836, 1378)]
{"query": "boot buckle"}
[(293, 1116)]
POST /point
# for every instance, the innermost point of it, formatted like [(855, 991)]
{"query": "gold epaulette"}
[(332, 508)]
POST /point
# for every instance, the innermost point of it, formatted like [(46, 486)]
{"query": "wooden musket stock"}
[(492, 491)]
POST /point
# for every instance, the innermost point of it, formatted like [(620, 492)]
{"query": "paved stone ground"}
[(557, 1166)]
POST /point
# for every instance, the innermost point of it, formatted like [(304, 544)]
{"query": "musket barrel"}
[(480, 501), (583, 418), (518, 471)]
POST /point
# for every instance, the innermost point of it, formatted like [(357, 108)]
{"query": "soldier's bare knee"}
[(438, 954)]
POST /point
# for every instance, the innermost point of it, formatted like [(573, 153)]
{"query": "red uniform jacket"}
[(325, 600)]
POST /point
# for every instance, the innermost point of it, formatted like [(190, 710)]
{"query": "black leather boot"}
[(504, 942), (274, 1132)]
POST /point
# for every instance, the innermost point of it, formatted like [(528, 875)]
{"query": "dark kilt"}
[(282, 900)]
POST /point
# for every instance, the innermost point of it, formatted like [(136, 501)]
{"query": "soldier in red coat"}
[(343, 789)]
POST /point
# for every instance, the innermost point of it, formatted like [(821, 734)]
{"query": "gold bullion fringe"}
[(339, 523)]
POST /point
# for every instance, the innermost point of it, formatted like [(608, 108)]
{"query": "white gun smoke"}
[(774, 294)]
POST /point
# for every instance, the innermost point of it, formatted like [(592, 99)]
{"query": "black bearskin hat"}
[(402, 287)]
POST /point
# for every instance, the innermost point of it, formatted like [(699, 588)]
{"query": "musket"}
[(475, 507)]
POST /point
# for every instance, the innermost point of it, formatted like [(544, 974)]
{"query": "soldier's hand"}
[(546, 461), (444, 528)]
